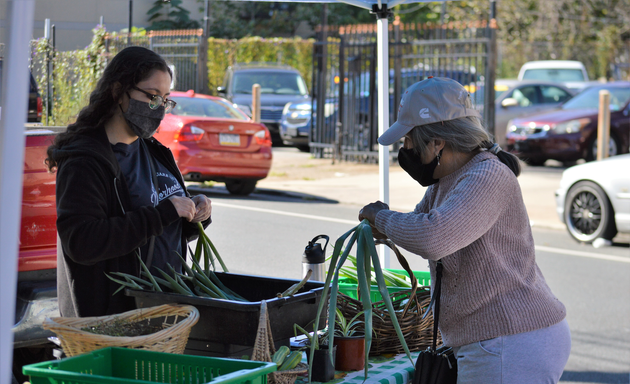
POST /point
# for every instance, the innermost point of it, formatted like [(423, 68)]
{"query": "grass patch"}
[(278, 174), (307, 178), (307, 165)]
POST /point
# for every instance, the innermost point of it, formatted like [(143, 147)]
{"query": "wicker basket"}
[(177, 323), (264, 349), (410, 305)]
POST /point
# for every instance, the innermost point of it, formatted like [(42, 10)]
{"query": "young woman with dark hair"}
[(119, 191)]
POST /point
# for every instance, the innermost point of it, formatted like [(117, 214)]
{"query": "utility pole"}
[(206, 19), (130, 22)]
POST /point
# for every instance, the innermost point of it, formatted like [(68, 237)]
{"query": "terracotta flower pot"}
[(350, 353), (323, 369)]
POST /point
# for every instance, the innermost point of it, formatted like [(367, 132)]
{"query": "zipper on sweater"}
[(118, 196), (137, 250)]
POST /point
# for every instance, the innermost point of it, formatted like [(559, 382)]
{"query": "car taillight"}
[(263, 137), (189, 133), (40, 106)]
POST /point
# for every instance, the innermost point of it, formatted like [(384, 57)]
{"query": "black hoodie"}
[(98, 233)]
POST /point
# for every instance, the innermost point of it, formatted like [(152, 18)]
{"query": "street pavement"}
[(341, 184)]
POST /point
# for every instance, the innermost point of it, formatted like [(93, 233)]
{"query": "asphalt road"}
[(265, 234)]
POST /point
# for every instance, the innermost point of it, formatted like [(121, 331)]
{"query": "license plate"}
[(229, 139), (292, 132)]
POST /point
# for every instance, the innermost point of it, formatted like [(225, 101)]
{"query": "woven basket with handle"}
[(264, 349), (177, 321), (410, 305)]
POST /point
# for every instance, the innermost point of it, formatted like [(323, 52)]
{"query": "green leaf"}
[(329, 276), (364, 290), (156, 286), (383, 290)]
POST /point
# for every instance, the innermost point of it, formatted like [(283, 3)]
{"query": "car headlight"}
[(296, 107), (510, 126), (571, 126), (245, 108)]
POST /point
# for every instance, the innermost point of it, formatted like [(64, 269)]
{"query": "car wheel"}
[(535, 162), (588, 213), (613, 149), (240, 187)]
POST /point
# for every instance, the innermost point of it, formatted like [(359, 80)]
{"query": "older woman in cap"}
[(497, 312)]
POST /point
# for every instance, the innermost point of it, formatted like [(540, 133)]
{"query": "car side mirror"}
[(509, 102), (221, 90)]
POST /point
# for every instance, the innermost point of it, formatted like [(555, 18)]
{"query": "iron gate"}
[(344, 79), (182, 49)]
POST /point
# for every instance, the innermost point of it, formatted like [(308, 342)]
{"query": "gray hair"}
[(464, 135)]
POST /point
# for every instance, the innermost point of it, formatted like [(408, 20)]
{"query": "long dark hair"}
[(129, 67)]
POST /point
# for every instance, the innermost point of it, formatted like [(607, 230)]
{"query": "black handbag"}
[(436, 366)]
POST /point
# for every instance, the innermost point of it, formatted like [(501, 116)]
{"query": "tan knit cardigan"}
[(475, 221)]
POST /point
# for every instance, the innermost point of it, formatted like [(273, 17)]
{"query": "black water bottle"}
[(314, 259)]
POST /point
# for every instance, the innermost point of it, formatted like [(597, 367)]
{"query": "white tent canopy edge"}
[(12, 120)]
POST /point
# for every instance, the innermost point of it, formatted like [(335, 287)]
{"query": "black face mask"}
[(412, 164), (143, 120)]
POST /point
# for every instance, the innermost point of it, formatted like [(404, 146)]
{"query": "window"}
[(192, 106), (551, 94), (270, 82), (526, 96), (554, 74), (589, 99)]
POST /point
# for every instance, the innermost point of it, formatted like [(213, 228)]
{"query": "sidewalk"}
[(298, 174)]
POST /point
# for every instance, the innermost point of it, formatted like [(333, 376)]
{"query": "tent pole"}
[(383, 111), (12, 120)]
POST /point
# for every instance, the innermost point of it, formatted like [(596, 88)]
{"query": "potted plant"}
[(367, 258), (349, 343), (322, 365)]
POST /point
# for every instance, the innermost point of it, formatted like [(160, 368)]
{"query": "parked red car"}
[(570, 133), (213, 140)]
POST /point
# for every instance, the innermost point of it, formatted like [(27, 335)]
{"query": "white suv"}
[(568, 72)]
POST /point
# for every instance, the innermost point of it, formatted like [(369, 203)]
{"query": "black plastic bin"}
[(228, 328)]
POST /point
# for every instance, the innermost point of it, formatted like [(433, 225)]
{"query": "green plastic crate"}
[(133, 366), (350, 289)]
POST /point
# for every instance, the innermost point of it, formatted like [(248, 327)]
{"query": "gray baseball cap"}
[(429, 101)]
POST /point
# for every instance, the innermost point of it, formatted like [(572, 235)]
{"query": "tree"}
[(170, 15)]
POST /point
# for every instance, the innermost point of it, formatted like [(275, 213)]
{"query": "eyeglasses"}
[(157, 100)]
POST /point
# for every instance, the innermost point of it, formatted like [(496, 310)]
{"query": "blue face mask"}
[(143, 120), (411, 162)]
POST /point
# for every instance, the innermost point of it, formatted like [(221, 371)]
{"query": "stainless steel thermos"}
[(315, 259)]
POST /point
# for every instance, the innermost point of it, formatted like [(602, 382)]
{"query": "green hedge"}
[(77, 72), (223, 53)]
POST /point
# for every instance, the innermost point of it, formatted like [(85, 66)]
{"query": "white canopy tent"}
[(12, 120), (381, 9)]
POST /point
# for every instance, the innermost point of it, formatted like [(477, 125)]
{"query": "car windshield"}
[(589, 99), (196, 106), (554, 74), (270, 82)]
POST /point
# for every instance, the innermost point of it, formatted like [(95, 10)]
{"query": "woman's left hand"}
[(203, 205), (369, 211)]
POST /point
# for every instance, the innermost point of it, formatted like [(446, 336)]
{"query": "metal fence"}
[(344, 78), (182, 49)]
